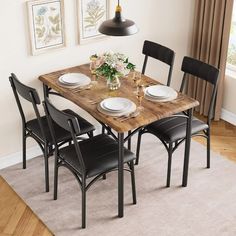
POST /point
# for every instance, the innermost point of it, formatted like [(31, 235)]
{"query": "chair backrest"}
[(161, 53), (28, 93), (203, 71), (67, 122)]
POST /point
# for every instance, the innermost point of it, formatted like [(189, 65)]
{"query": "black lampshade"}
[(118, 26)]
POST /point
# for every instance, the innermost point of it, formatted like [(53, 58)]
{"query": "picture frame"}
[(46, 25), (91, 13)]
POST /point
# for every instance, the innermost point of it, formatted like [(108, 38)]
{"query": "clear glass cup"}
[(92, 68), (140, 95), (137, 78)]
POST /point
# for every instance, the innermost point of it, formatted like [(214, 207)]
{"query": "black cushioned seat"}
[(91, 158), (61, 134), (38, 128), (103, 155), (172, 129)]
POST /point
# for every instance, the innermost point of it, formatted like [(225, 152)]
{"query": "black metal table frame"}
[(121, 141)]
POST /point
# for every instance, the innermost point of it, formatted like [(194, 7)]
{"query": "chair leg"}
[(170, 151), (104, 176), (50, 150), (90, 134), (55, 178), (46, 168), (208, 148), (83, 202), (129, 141), (24, 148), (138, 148), (133, 182), (103, 130)]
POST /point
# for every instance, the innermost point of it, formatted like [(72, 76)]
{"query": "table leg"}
[(121, 175), (187, 147), (45, 91)]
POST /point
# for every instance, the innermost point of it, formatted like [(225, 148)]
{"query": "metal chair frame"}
[(31, 95), (161, 53), (172, 146), (71, 124)]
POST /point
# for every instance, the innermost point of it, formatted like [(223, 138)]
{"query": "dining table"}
[(121, 130)]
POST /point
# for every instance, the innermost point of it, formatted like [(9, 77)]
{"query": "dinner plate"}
[(159, 91), (154, 99), (117, 114), (74, 79), (116, 104)]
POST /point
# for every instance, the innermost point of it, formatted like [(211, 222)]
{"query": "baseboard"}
[(228, 116), (32, 152), (16, 158)]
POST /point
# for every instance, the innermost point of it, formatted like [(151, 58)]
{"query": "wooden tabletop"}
[(152, 111), (16, 218)]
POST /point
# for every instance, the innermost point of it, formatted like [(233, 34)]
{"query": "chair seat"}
[(172, 129), (61, 134), (100, 154)]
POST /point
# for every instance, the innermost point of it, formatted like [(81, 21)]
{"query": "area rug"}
[(206, 206)]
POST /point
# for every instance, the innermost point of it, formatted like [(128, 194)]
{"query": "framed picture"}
[(91, 13), (46, 23)]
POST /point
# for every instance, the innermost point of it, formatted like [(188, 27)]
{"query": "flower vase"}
[(113, 84)]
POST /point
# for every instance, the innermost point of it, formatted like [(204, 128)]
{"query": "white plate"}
[(74, 79), (159, 91), (154, 99), (116, 104), (117, 114), (160, 97)]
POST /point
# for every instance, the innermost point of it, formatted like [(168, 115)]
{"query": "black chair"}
[(172, 130), (161, 53), (91, 158), (38, 128)]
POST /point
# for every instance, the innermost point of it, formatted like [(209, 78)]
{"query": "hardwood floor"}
[(223, 135), (16, 218)]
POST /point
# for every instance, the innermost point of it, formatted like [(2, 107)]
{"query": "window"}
[(231, 57)]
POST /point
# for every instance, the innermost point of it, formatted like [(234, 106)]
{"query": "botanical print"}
[(92, 14), (47, 24)]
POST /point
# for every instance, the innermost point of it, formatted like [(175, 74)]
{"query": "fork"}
[(93, 102), (82, 88), (129, 116)]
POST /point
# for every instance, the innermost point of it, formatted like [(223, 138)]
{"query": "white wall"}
[(229, 94), (229, 105), (168, 22)]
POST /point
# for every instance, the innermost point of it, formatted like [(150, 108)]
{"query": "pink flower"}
[(99, 62), (120, 67)]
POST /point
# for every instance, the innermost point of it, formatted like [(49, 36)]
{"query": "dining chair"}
[(37, 128), (172, 130), (87, 159), (161, 53)]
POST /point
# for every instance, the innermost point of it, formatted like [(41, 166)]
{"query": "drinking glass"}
[(140, 95), (137, 78), (92, 68)]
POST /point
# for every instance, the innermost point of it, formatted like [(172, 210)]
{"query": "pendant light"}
[(118, 26)]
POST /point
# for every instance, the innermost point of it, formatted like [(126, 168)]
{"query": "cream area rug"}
[(207, 206)]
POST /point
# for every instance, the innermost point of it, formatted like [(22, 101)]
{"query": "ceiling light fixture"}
[(118, 26)]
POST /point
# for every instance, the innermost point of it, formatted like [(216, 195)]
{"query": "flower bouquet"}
[(112, 66)]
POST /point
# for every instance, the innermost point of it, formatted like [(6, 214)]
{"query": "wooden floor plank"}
[(223, 136), (16, 218)]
